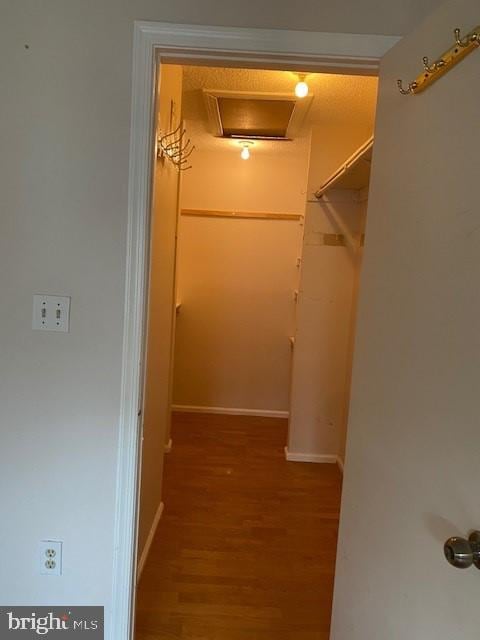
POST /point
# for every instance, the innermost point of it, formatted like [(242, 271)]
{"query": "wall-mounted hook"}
[(456, 33), (465, 42), (431, 68), (173, 147), (405, 92), (433, 71)]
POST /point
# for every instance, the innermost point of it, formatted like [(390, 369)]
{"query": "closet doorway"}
[(258, 216)]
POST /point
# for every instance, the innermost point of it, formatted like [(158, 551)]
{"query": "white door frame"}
[(222, 46)]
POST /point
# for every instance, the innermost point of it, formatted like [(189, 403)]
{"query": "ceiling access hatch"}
[(264, 116)]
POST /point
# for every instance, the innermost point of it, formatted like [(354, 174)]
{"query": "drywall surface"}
[(236, 279), (412, 448), (160, 312), (65, 76), (274, 182), (347, 16), (325, 317), (352, 331), (323, 326), (332, 145)]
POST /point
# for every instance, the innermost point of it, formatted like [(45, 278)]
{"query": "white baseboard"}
[(168, 446), (319, 458), (149, 540), (231, 411)]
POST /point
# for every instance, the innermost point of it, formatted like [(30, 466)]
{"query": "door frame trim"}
[(177, 43)]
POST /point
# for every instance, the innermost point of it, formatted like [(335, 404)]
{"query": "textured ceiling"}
[(338, 101)]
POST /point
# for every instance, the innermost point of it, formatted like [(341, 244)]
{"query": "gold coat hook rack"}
[(433, 71)]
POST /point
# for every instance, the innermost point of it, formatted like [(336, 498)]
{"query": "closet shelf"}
[(259, 215), (354, 174)]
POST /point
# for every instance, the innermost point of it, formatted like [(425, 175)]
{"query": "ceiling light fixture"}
[(245, 153), (301, 88)]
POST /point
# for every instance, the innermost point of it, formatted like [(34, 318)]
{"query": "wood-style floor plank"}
[(245, 549)]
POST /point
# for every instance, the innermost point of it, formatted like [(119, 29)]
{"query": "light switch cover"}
[(51, 313)]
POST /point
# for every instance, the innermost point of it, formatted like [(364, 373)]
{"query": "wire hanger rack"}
[(176, 148)]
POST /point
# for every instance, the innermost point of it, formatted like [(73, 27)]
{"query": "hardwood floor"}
[(245, 549)]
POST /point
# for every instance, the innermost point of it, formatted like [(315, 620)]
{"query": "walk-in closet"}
[(258, 228)]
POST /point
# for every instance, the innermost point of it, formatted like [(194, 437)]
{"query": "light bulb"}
[(301, 89), (245, 154)]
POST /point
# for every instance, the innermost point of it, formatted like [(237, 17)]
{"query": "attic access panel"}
[(242, 114), (244, 117)]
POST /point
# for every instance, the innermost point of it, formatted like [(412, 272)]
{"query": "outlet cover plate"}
[(50, 557)]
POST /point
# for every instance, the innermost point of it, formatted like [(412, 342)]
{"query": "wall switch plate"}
[(51, 313), (51, 557)]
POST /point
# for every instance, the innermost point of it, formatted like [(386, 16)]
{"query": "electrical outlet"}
[(51, 313), (51, 557)]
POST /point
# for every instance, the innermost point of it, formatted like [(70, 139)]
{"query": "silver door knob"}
[(462, 553)]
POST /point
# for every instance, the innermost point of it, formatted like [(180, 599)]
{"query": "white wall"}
[(332, 145), (323, 327), (326, 306), (64, 130), (236, 279), (352, 333), (272, 181), (156, 415)]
